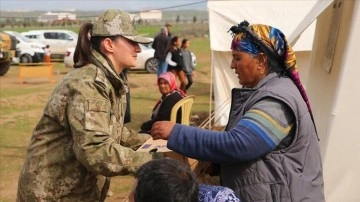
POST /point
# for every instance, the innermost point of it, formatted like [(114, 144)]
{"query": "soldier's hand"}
[(161, 129)]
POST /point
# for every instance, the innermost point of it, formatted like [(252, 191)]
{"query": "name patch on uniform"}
[(98, 105)]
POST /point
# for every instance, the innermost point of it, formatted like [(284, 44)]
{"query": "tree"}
[(178, 18), (194, 19)]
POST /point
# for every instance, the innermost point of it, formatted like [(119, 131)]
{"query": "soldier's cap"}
[(117, 23)]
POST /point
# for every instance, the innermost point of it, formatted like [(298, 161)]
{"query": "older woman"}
[(269, 150), (170, 95)]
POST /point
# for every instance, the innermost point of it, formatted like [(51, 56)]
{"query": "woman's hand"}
[(161, 129)]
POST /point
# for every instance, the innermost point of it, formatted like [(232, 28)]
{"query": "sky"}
[(129, 5)]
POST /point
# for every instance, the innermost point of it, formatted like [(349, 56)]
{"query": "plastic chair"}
[(185, 106)]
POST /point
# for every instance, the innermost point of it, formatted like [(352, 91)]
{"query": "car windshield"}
[(73, 34), (20, 36)]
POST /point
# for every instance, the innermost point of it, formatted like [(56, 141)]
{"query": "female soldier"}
[(80, 141)]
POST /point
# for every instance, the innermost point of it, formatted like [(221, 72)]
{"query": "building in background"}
[(151, 16), (49, 17)]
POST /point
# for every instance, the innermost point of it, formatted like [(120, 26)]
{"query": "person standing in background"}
[(47, 54), (160, 44), (168, 27), (188, 63), (175, 61)]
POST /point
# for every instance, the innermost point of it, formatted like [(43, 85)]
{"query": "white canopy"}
[(223, 14), (326, 53)]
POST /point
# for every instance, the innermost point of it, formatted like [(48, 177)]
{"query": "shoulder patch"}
[(98, 105), (100, 76)]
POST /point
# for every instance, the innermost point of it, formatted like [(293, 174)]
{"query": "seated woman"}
[(171, 94)]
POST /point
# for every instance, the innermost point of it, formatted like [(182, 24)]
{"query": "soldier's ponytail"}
[(83, 47)]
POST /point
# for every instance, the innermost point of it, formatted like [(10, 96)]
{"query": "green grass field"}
[(21, 106)]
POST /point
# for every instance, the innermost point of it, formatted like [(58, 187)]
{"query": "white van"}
[(29, 51), (58, 40)]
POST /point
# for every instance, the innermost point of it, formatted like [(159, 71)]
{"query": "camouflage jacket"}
[(80, 140)]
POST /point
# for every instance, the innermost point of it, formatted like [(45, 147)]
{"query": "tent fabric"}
[(223, 14), (334, 94), (316, 10), (335, 99), (224, 80)]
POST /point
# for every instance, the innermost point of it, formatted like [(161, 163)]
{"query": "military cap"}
[(117, 23)]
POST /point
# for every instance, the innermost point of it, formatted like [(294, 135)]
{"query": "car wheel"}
[(26, 58), (151, 65)]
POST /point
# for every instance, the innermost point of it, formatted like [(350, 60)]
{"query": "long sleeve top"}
[(80, 139), (160, 44), (175, 60), (188, 64), (258, 133)]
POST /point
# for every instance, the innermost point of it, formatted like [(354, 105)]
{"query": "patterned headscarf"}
[(271, 41), (170, 78)]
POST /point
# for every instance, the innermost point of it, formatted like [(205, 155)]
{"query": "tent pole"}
[(211, 88)]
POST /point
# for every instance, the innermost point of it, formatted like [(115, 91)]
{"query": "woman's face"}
[(186, 44), (124, 53), (247, 67), (178, 43), (164, 86)]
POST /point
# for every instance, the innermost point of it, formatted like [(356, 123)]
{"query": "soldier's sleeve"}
[(133, 139), (89, 117)]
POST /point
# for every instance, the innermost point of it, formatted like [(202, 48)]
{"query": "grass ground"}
[(21, 106)]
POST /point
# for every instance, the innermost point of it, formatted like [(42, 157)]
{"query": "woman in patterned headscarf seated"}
[(170, 95), (269, 150)]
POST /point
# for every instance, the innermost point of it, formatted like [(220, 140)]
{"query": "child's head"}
[(164, 180), (185, 43)]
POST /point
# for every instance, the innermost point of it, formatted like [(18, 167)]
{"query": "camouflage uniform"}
[(80, 140)]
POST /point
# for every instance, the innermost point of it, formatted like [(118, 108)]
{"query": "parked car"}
[(145, 59), (29, 51), (58, 40), (193, 57)]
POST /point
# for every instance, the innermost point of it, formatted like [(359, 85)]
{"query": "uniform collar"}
[(119, 82)]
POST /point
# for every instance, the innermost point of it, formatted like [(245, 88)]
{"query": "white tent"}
[(223, 14), (326, 53)]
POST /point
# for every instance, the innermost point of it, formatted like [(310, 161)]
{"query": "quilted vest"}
[(291, 174)]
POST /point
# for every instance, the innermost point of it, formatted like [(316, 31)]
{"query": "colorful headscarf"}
[(170, 78), (271, 41)]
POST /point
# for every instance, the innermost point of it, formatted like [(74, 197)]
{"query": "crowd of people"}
[(268, 152), (173, 55)]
